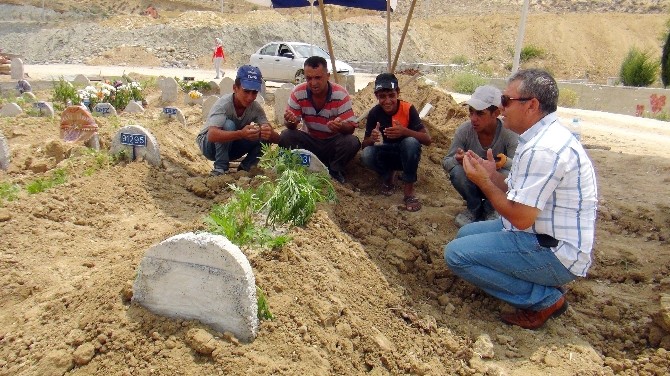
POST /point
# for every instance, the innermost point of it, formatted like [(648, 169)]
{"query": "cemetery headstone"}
[(425, 110), (171, 113), (23, 86), (203, 277), (138, 144), (10, 110), (29, 97), (17, 69), (133, 108), (45, 109), (350, 83), (82, 80), (207, 105), (213, 86), (4, 153), (104, 109), (281, 99), (310, 161), (226, 86), (260, 99), (78, 125), (264, 90), (169, 88)]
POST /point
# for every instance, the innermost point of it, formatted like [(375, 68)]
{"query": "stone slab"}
[(207, 105), (4, 153), (17, 69), (172, 113), (310, 161), (281, 99), (226, 86), (10, 110), (137, 142), (45, 109), (133, 108), (104, 109), (81, 80), (203, 277)]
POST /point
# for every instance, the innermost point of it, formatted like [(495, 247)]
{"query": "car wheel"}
[(299, 77)]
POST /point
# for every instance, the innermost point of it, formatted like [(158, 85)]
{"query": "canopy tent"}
[(387, 5)]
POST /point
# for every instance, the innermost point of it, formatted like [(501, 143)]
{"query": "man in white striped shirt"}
[(547, 205)]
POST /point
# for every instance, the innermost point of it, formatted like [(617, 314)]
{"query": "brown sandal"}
[(412, 203)]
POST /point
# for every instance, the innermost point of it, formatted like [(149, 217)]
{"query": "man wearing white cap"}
[(482, 132)]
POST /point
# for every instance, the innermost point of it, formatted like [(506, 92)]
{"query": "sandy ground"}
[(361, 289)]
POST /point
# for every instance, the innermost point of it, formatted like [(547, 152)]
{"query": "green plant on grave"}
[(187, 86), (296, 192), (100, 161), (120, 157), (264, 312), (236, 219), (58, 177), (638, 69), (64, 94), (8, 192)]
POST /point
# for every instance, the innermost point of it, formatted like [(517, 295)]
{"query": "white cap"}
[(485, 97)]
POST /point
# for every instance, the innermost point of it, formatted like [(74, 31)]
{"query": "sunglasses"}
[(506, 100)]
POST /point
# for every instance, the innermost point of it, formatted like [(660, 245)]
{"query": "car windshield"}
[(305, 50)]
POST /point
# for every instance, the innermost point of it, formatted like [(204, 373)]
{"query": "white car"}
[(284, 61)]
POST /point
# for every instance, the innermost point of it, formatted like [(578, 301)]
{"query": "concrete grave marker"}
[(4, 153), (425, 110), (260, 99), (203, 277), (213, 85), (138, 143), (350, 83), (170, 113), (281, 99), (264, 90), (44, 108), (78, 125), (10, 110), (81, 80), (29, 96), (226, 86), (207, 105), (16, 69), (104, 109), (133, 108), (169, 88), (310, 161)]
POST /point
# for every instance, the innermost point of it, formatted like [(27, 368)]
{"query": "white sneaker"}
[(463, 218)]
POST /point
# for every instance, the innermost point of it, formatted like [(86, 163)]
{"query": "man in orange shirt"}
[(393, 138)]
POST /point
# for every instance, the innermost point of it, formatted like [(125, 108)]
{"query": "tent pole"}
[(402, 38), (330, 45), (388, 35), (519, 38)]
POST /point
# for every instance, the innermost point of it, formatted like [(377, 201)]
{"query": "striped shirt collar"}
[(329, 95)]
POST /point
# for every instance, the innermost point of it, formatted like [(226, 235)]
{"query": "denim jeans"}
[(386, 158), (474, 198), (223, 152), (508, 265)]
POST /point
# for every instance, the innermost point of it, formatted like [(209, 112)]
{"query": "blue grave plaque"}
[(133, 139)]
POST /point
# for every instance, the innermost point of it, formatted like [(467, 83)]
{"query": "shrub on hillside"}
[(638, 69), (463, 82), (567, 97)]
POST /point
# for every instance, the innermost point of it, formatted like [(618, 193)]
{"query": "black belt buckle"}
[(546, 241)]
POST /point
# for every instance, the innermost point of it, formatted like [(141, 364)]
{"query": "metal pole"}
[(519, 38), (221, 6), (43, 11), (311, 26), (402, 38), (388, 34)]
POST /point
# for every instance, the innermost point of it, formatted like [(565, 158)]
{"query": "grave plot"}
[(137, 143)]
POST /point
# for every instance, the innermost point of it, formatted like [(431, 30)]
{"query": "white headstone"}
[(138, 143), (45, 109), (310, 161), (264, 90), (207, 105), (104, 109), (260, 99), (350, 83), (172, 113), (203, 277), (4, 152), (133, 108), (81, 80), (226, 86), (425, 110), (170, 90), (17, 69), (213, 85), (29, 96), (281, 99), (10, 110)]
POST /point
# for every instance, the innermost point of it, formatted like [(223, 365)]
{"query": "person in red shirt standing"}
[(218, 57)]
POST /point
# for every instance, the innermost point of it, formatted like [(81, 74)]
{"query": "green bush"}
[(8, 192), (531, 52), (463, 82), (638, 69), (567, 97), (459, 59), (64, 93)]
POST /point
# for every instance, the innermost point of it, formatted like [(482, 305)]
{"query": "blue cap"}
[(250, 77)]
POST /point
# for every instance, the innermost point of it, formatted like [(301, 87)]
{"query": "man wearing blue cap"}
[(237, 125)]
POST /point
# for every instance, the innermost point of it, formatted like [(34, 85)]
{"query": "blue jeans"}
[(223, 152), (386, 158), (508, 265), (474, 198)]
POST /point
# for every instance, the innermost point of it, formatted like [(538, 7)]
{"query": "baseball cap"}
[(386, 81), (251, 78), (485, 97)]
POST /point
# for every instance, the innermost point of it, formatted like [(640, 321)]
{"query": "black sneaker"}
[(337, 175), (217, 172)]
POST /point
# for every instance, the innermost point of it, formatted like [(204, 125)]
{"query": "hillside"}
[(363, 288)]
